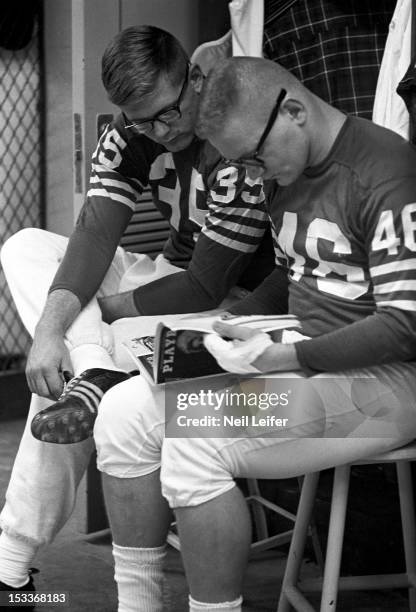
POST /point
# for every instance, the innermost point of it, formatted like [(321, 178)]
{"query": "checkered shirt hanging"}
[(334, 47)]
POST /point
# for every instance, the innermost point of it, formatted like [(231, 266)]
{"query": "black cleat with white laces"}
[(71, 419)]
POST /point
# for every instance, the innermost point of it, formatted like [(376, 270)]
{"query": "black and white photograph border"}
[(354, 54)]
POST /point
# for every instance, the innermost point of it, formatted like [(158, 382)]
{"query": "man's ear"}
[(296, 110), (196, 78)]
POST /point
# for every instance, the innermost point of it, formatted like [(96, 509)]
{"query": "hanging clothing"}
[(407, 90), (334, 47), (389, 109), (247, 18), (210, 53)]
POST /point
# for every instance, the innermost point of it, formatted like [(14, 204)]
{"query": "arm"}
[(388, 225), (118, 306), (234, 227), (384, 337), (271, 297), (109, 205), (362, 344), (106, 212), (387, 221), (182, 292), (49, 357)]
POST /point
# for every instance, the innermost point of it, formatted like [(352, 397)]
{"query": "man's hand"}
[(49, 357), (252, 348), (47, 360), (118, 306)]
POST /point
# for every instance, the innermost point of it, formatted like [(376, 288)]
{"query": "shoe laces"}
[(68, 386)]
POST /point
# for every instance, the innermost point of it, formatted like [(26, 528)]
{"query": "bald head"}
[(245, 86), (259, 115)]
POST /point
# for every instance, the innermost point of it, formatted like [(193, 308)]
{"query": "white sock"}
[(139, 576), (16, 557), (86, 356), (228, 606)]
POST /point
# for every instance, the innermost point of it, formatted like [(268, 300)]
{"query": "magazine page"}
[(261, 322)]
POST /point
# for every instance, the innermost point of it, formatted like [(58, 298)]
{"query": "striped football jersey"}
[(345, 231), (208, 204)]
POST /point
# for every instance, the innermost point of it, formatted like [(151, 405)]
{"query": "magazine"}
[(177, 351)]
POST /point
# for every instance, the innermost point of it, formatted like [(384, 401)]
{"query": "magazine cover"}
[(208, 298), (177, 350)]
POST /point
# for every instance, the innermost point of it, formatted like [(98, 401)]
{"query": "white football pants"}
[(332, 420), (42, 488)]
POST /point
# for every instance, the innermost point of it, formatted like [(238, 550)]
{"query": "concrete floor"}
[(82, 565)]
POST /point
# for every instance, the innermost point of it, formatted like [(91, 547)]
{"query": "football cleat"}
[(71, 419)]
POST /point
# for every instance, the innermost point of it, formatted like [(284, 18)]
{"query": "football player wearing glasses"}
[(167, 115), (215, 241), (253, 160), (341, 200)]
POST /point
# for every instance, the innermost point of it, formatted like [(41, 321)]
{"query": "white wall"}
[(178, 16), (58, 121), (76, 34)]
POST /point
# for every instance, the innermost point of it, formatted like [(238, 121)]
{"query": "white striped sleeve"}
[(106, 181), (393, 259)]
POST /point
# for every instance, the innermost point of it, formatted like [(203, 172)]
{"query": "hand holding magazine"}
[(177, 350)]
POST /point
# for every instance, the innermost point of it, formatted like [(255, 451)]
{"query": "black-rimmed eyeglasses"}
[(167, 115), (253, 159)]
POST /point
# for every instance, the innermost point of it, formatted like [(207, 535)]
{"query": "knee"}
[(193, 471), (127, 430), (17, 244), (33, 245)]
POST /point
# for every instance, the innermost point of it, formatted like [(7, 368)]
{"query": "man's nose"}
[(254, 172), (160, 129)]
